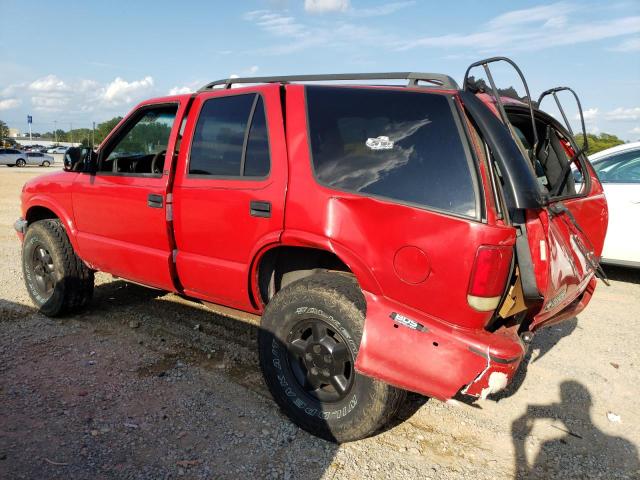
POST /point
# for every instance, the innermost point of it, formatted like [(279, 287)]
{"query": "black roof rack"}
[(437, 79)]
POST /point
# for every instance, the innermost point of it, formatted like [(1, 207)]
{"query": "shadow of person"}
[(582, 450)]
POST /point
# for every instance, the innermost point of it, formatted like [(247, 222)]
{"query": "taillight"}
[(489, 276)]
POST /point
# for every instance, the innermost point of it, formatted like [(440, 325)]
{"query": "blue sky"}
[(78, 62)]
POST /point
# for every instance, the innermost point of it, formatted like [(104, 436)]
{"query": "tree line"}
[(85, 136)]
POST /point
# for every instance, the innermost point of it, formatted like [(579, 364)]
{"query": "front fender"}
[(66, 217)]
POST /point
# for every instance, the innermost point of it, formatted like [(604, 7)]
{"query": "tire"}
[(57, 281), (46, 163), (332, 306), (20, 162)]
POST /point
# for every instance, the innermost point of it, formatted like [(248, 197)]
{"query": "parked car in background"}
[(12, 157), (38, 158), (58, 150), (619, 171)]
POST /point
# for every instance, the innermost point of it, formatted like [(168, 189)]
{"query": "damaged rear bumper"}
[(416, 352)]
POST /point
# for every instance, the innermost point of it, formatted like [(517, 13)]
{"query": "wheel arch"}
[(298, 255), (40, 208)]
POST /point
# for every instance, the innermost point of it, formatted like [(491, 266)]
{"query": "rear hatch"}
[(561, 226)]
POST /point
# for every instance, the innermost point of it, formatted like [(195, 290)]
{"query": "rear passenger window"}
[(230, 138), (404, 146), (256, 162)]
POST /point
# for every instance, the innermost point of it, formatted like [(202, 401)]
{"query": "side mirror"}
[(80, 160), (72, 159)]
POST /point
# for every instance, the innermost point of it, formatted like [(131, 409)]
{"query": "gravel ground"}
[(149, 385)]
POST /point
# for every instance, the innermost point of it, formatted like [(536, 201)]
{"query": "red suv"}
[(392, 238)]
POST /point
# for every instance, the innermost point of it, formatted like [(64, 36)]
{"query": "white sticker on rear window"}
[(379, 143)]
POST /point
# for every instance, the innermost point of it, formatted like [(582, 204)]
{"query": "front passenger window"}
[(140, 149)]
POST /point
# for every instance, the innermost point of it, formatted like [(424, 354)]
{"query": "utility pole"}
[(55, 130), (93, 136), (29, 121), (71, 132)]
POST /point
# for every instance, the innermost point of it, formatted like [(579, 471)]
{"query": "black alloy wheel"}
[(42, 266), (320, 360)]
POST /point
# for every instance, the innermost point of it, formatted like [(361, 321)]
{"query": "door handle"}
[(258, 208), (154, 200)]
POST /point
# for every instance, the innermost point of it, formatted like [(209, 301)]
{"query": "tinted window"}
[(219, 136), (256, 163), (621, 168), (400, 145)]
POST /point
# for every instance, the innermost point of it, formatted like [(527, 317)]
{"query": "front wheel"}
[(57, 280), (308, 343), (20, 162), (46, 163)]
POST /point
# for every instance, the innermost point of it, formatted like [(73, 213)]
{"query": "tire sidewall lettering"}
[(291, 392)]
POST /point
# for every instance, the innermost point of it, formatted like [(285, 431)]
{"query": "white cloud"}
[(531, 15), (531, 29), (556, 22), (120, 91), (253, 70), (623, 114), (630, 45), (635, 130), (50, 103), (50, 83), (9, 103), (88, 85), (590, 114), (298, 36), (380, 10), (180, 90), (276, 23), (324, 6)]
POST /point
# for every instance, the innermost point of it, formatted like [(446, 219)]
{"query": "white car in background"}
[(58, 150), (619, 171)]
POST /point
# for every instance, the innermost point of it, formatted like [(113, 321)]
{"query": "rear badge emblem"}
[(407, 322), (379, 143)]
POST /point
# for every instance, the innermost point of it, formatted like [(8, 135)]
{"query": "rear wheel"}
[(20, 162), (57, 280), (308, 343)]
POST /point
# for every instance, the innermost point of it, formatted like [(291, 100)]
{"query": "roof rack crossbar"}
[(437, 79)]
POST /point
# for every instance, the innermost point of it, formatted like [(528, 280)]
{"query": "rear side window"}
[(404, 146), (230, 138)]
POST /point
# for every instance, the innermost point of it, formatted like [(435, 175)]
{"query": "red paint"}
[(411, 264), (408, 260), (490, 270), (216, 237)]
